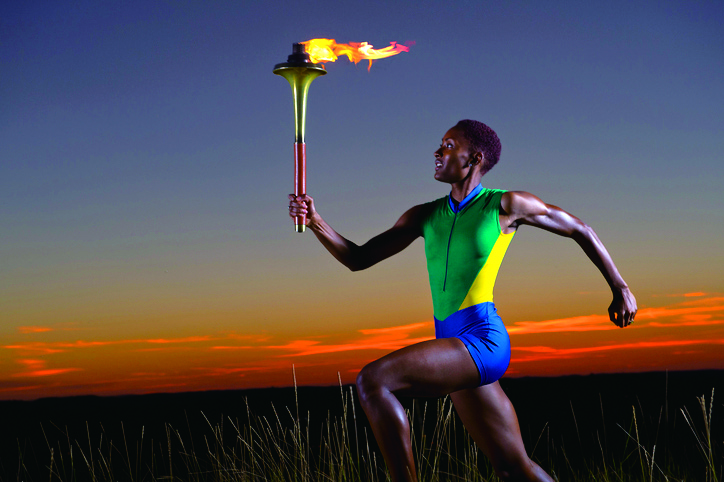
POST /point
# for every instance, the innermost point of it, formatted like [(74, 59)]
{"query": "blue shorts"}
[(484, 335)]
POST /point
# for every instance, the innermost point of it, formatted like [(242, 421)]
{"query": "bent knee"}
[(367, 380), (370, 380)]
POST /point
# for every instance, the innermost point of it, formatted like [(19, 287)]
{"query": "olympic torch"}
[(300, 69), (300, 72)]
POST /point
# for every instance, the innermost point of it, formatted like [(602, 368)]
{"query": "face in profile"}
[(452, 158)]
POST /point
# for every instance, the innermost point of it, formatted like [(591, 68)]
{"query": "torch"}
[(300, 72)]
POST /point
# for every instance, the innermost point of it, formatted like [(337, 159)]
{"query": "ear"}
[(477, 158)]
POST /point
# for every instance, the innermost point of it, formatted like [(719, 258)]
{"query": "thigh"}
[(431, 368), (490, 418)]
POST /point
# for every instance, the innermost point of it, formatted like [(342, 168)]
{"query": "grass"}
[(285, 445)]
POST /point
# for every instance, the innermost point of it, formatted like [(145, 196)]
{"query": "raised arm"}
[(355, 257), (521, 208)]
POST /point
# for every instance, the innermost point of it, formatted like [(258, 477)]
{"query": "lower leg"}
[(392, 431), (490, 418)]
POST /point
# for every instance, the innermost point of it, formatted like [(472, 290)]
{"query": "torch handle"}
[(300, 181)]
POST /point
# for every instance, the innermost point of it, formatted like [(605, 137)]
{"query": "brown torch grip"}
[(300, 180)]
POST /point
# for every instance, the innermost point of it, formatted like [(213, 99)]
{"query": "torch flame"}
[(327, 50)]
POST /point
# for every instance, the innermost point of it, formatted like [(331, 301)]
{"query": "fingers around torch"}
[(300, 205), (297, 209)]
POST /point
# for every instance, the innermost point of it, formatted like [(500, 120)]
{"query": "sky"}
[(146, 155)]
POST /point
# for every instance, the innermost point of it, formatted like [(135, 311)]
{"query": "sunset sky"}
[(146, 155)]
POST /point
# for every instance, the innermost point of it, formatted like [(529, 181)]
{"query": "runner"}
[(466, 235)]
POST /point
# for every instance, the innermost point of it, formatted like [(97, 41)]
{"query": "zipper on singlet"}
[(447, 255)]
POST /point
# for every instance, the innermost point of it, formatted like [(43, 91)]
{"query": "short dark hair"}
[(483, 139)]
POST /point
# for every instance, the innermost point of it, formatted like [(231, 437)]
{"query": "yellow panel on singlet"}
[(481, 290)]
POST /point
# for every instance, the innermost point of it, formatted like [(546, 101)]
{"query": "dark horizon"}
[(575, 412), (717, 374)]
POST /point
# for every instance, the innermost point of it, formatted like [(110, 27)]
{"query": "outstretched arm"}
[(523, 208), (355, 257)]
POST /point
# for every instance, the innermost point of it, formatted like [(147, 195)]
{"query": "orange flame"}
[(327, 50)]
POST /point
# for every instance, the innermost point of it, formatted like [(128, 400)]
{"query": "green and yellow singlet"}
[(464, 247)]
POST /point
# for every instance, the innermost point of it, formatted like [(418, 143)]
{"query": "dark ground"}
[(569, 420)]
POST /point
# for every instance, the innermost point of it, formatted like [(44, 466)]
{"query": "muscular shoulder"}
[(415, 217), (517, 207), (520, 203)]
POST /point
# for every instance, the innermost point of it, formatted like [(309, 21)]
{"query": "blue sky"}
[(146, 150)]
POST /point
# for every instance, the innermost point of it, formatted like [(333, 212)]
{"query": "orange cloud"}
[(688, 320), (36, 368), (32, 364), (216, 371), (684, 333), (240, 347), (66, 326), (34, 348), (389, 338), (693, 294), (577, 323), (698, 312), (33, 329), (548, 353), (667, 311), (189, 339), (46, 373), (61, 346)]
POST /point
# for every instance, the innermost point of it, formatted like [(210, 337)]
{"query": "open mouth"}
[(438, 165)]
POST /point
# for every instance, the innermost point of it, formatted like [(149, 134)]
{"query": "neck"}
[(463, 188)]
